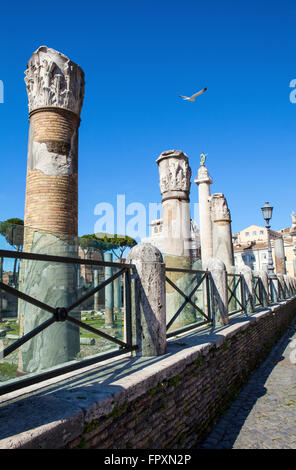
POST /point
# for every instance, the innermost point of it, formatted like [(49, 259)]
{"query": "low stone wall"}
[(171, 401)]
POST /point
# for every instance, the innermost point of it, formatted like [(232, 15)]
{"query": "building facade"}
[(250, 247)]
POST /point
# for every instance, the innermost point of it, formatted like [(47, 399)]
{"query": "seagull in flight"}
[(192, 98)]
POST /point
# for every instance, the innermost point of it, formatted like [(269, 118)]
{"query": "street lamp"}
[(267, 214)]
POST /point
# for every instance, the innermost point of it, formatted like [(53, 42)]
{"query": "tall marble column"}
[(55, 87), (205, 222), (174, 175), (222, 236)]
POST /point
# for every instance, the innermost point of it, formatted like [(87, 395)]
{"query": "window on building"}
[(247, 234), (261, 232), (255, 233)]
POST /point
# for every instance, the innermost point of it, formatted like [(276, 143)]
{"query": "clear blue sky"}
[(137, 57)]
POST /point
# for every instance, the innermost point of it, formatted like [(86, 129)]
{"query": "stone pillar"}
[(248, 288), (274, 289), (219, 291), (109, 294), (264, 287), (279, 255), (55, 88), (149, 327), (205, 222), (174, 175), (222, 236)]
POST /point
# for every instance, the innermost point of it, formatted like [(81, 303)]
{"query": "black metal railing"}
[(193, 280), (261, 296), (235, 288), (63, 314), (192, 292)]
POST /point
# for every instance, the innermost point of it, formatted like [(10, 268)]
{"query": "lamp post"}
[(267, 214)]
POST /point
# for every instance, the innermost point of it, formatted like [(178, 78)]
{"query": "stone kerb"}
[(274, 289), (219, 292), (264, 288), (149, 324), (248, 288)]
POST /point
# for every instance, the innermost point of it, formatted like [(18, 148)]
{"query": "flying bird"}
[(192, 98)]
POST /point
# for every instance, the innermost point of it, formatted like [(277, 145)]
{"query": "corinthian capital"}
[(174, 174), (52, 80), (219, 208)]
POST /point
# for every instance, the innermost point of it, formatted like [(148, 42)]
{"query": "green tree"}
[(13, 231), (107, 242)]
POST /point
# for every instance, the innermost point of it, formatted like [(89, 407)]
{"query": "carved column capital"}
[(174, 175), (53, 80), (219, 208)]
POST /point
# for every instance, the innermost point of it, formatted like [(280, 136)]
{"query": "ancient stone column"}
[(205, 225), (274, 289), (264, 287), (149, 328), (222, 236), (279, 255), (109, 294), (248, 288), (174, 175), (55, 87)]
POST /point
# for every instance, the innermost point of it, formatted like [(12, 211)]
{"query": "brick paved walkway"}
[(264, 414)]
